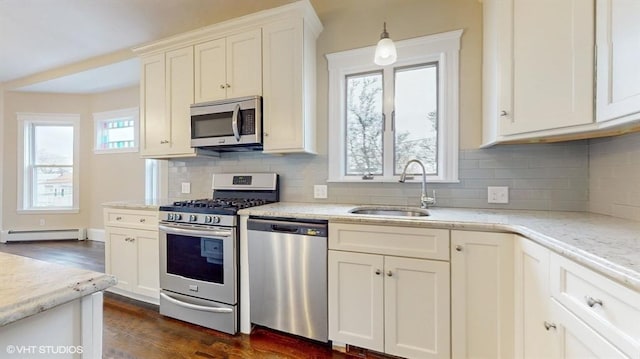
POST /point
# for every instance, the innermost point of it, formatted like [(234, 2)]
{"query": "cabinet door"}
[(618, 53), (244, 64), (535, 334), (546, 64), (283, 86), (417, 302), (179, 75), (210, 71), (356, 287), (148, 263), (120, 257), (482, 295), (154, 126)]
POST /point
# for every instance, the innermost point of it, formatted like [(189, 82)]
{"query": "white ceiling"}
[(40, 35)]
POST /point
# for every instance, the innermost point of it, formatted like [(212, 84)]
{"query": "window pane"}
[(53, 187), (53, 145), (364, 124), (116, 133), (416, 118)]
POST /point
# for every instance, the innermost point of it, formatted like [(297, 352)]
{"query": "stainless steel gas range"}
[(199, 252)]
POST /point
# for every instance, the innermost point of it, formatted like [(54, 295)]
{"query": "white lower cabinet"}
[(482, 295), (391, 304), (132, 253), (564, 310)]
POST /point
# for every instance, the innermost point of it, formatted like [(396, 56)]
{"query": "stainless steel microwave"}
[(227, 125)]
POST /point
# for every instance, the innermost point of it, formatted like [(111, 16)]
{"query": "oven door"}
[(199, 261)]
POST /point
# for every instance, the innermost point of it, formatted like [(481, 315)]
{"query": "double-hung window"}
[(382, 117), (48, 173)]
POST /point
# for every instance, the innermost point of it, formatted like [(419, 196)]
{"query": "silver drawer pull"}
[(549, 326), (118, 218), (592, 302), (142, 220)]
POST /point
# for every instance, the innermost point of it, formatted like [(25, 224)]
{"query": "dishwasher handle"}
[(292, 226), (284, 229)]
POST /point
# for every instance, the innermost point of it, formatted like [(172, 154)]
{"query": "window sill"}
[(49, 211), (115, 150)]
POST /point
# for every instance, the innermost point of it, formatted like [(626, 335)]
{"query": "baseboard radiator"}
[(43, 235)]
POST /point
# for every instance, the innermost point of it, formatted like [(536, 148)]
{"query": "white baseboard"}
[(42, 234), (94, 234)]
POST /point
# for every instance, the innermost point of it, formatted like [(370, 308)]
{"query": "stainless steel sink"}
[(391, 211)]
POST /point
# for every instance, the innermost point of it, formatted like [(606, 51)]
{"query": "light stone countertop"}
[(608, 245), (148, 204), (29, 286)]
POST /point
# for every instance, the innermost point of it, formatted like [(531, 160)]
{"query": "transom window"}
[(116, 131), (382, 117), (48, 172)]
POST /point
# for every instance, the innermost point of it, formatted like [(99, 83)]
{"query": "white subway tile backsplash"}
[(536, 174)]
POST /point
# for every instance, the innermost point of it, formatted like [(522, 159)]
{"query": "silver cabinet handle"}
[(222, 86), (118, 218), (378, 271), (549, 326), (228, 85), (389, 274), (194, 306), (503, 113), (164, 142), (459, 248), (592, 302), (266, 134)]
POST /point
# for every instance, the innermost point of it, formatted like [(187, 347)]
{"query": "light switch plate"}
[(186, 187), (498, 194), (320, 191)]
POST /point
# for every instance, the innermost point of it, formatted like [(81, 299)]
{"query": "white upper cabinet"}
[(289, 73), (538, 66), (229, 67), (166, 91), (618, 56), (271, 53)]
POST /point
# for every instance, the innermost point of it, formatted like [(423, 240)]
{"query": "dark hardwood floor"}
[(133, 329)]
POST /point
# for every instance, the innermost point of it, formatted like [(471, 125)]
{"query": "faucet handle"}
[(427, 201), (367, 176)]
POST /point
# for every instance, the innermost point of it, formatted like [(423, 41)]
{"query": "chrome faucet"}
[(425, 201)]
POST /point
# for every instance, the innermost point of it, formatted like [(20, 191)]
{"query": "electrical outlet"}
[(498, 194), (186, 187), (320, 191)]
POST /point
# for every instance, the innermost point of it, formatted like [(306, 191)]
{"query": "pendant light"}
[(386, 50)]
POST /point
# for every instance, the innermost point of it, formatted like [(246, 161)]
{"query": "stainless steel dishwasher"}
[(288, 275)]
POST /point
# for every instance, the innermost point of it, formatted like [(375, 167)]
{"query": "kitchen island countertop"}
[(608, 245), (29, 286)]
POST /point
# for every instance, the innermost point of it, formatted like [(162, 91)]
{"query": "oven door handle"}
[(195, 232), (194, 306)]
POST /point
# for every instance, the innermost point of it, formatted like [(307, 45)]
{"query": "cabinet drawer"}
[(131, 218), (608, 307), (390, 240)]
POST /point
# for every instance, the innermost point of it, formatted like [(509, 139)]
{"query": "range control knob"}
[(216, 219), (193, 218), (170, 217), (177, 216), (208, 219)]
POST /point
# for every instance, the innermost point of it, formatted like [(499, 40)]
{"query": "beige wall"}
[(114, 177), (353, 24), (44, 103), (103, 178)]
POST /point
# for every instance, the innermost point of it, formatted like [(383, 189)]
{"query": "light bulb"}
[(385, 50)]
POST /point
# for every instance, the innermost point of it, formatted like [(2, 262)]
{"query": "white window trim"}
[(49, 118), (109, 115), (444, 48)]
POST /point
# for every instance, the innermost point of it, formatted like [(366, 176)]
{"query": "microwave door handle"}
[(235, 122)]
